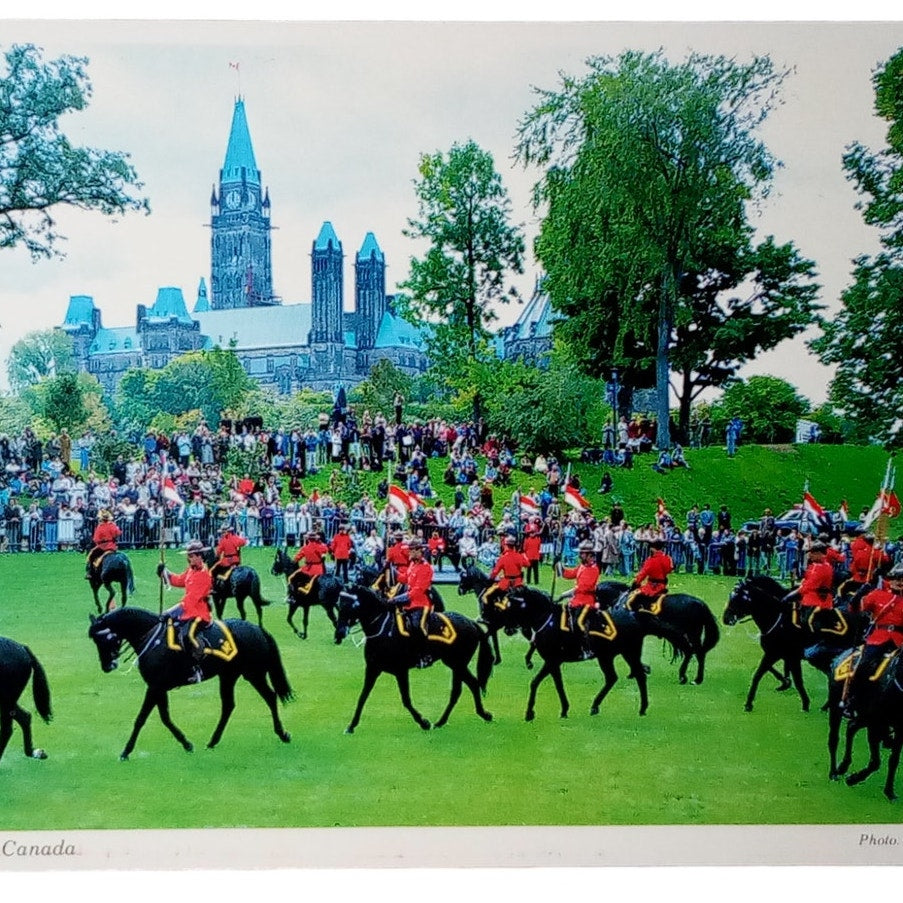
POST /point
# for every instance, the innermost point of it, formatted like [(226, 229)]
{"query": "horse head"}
[(472, 580), (282, 563), (356, 604), (108, 642)]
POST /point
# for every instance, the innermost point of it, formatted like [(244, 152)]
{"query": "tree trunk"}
[(662, 370), (686, 401)]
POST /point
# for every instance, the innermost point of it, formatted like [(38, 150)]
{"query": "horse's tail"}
[(277, 671), (130, 575), (255, 590), (39, 688), (711, 634), (485, 660), (671, 636)]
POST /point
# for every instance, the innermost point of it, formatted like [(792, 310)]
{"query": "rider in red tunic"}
[(418, 579), (229, 551), (508, 570), (340, 548), (397, 560), (105, 535), (313, 553), (532, 552), (193, 611), (867, 558), (816, 595), (885, 606), (583, 595), (652, 579)]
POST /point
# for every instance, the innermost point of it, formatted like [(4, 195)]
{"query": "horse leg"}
[(474, 686), (23, 719), (97, 604), (558, 680), (403, 679), (292, 608), (544, 672), (796, 672), (452, 699), (892, 763), (306, 618), (528, 658), (6, 729), (163, 710), (766, 663), (494, 637), (370, 676), (124, 594), (227, 706), (607, 666), (682, 671), (111, 595), (240, 603), (834, 720), (151, 701), (259, 682), (330, 613), (852, 729), (874, 762)]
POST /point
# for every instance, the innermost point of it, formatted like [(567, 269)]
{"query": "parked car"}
[(794, 519)]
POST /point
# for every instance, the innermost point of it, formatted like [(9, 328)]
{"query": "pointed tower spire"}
[(240, 165)]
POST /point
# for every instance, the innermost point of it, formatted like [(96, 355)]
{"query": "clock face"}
[(233, 199)]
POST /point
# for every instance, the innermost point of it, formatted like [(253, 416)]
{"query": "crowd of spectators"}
[(173, 488)]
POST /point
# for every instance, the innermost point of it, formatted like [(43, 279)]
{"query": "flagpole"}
[(162, 522), (881, 527), (560, 536)]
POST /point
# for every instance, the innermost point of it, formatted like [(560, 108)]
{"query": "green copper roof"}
[(369, 248), (327, 235), (240, 163), (169, 305), (202, 305), (80, 310)]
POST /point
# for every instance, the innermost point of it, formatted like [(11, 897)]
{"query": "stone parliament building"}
[(284, 347)]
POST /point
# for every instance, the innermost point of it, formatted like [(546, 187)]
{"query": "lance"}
[(162, 523), (881, 529), (556, 556)]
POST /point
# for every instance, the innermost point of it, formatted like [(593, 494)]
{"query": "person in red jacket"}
[(651, 580), (105, 537), (866, 560), (582, 597), (193, 611), (313, 553), (532, 552), (885, 606), (415, 602), (397, 560), (436, 549), (340, 548), (816, 595), (229, 551), (509, 569)]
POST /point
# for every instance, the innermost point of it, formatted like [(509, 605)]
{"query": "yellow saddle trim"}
[(884, 663), (224, 575), (840, 630), (846, 668), (608, 631), (446, 634), (227, 650), (654, 607)]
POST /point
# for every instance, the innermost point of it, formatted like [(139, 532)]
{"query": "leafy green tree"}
[(135, 398), (39, 354), (63, 402), (40, 169), (648, 170), (464, 212), (377, 392), (769, 408), (861, 339)]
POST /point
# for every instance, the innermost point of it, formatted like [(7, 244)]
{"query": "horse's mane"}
[(766, 584), (534, 596), (366, 594)]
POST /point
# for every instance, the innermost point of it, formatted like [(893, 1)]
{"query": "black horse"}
[(454, 640), (687, 614), (114, 569), (473, 580), (761, 598), (325, 593), (243, 583), (879, 710), (618, 632), (163, 668), (17, 665)]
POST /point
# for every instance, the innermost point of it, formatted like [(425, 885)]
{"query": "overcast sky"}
[(339, 114)]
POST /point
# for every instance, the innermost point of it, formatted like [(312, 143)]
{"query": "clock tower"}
[(241, 258)]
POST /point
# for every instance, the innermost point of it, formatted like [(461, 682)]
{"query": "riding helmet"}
[(896, 572)]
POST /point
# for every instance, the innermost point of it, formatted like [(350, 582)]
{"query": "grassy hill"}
[(759, 476)]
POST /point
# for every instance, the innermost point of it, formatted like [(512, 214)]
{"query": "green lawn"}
[(697, 758)]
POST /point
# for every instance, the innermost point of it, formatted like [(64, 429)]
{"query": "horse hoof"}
[(594, 710), (856, 778), (123, 757), (349, 730), (425, 724), (697, 682), (38, 753), (682, 680), (563, 715), (285, 737), (486, 716), (806, 707), (529, 666), (747, 707), (785, 684), (891, 796), (529, 716)]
